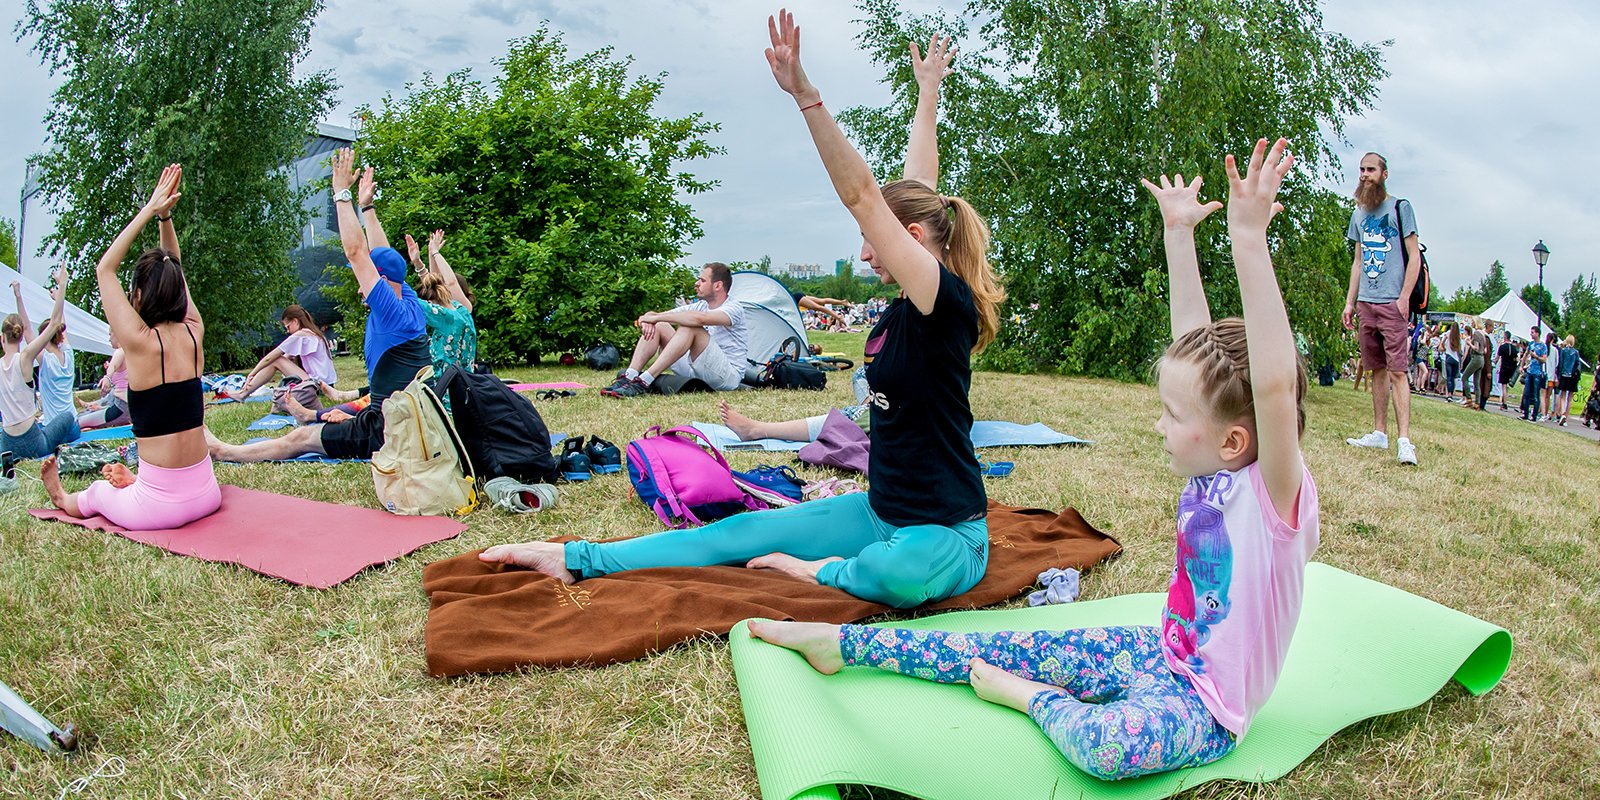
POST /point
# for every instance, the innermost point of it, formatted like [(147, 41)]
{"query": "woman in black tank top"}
[(175, 484)]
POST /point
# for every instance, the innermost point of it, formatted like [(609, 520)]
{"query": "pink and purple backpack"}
[(685, 482)]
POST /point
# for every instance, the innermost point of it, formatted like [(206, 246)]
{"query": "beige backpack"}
[(422, 468)]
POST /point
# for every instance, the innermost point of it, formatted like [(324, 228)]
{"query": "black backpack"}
[(1420, 289), (502, 431), (603, 357), (784, 372)]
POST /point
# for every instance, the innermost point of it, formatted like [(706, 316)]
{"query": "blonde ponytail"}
[(955, 224)]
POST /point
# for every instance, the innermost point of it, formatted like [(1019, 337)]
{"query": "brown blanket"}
[(484, 618)]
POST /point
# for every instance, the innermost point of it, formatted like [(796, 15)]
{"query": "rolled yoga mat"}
[(1361, 649)]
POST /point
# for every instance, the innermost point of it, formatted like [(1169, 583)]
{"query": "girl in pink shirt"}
[(1134, 700)]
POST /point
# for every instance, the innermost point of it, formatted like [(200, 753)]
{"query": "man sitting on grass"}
[(709, 342), (396, 341)]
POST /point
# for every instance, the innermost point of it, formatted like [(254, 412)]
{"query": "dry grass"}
[(212, 681)]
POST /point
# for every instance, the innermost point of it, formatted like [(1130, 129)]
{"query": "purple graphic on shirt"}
[(1198, 598)]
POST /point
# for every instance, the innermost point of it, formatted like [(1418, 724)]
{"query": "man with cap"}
[(396, 345)]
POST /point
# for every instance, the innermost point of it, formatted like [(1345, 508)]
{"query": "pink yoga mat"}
[(534, 387), (301, 541)]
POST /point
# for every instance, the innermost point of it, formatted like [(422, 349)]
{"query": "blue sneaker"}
[(575, 466), (604, 457), (765, 481)]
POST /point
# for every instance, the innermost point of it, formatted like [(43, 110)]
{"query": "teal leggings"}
[(898, 567)]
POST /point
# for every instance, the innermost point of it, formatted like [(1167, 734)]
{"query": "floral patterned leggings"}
[(1120, 711)]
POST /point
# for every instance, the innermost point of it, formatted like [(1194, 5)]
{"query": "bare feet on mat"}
[(546, 557), (1003, 688), (301, 414), (789, 565), (118, 475), (50, 476), (740, 424), (817, 641)]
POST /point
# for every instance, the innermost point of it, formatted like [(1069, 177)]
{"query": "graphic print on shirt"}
[(874, 346), (1197, 600), (1377, 237)]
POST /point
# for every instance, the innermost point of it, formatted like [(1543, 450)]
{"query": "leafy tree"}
[(1580, 309), (1465, 300), (210, 84), (1494, 285), (8, 242), (1538, 297), (1060, 107), (557, 189)]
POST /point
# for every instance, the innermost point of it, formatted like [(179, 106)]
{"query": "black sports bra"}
[(168, 408)]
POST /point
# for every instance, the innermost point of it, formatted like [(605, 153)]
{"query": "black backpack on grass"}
[(501, 430)]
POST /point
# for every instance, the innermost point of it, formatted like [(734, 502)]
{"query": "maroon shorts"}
[(1383, 338)]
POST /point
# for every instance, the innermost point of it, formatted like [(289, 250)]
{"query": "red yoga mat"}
[(304, 542)]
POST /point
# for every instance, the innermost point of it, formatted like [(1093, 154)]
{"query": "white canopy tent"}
[(1518, 318), (85, 332)]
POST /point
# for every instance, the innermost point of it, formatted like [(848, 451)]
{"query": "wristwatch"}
[(341, 196)]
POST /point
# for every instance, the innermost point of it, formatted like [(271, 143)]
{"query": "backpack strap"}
[(693, 433)]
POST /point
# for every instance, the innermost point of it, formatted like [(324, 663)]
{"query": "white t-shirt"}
[(731, 338)]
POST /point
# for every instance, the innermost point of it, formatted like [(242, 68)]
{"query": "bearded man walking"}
[(1387, 261)]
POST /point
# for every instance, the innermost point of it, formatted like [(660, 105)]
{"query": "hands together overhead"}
[(165, 196)]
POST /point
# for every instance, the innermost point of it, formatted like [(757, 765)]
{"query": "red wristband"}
[(808, 108)]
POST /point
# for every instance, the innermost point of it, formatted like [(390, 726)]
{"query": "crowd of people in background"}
[(1468, 364)]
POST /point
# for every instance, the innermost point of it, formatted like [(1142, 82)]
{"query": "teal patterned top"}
[(452, 335)]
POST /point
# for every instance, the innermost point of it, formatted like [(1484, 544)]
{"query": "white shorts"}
[(712, 367)]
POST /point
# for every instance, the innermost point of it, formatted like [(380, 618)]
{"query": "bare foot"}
[(50, 476), (119, 475), (789, 565), (301, 414), (335, 416), (818, 642), (546, 557), (1003, 688), (743, 426), (213, 444)]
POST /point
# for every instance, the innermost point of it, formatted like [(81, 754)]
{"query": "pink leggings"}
[(160, 499)]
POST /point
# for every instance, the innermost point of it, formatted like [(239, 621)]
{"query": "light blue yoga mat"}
[(271, 422), (985, 433), (1361, 649), (102, 434)]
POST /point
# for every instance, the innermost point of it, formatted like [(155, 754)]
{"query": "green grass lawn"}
[(212, 681)]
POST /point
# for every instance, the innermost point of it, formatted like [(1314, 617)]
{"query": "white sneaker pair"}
[(1378, 440)]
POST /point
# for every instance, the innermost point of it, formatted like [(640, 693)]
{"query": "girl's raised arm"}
[(1181, 211), (1274, 363)]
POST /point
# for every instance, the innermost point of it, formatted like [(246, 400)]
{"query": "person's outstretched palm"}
[(784, 54), (933, 69), (1180, 202)]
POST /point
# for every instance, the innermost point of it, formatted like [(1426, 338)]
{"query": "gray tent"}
[(31, 726), (772, 315)]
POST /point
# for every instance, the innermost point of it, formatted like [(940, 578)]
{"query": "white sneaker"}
[(1408, 452), (1378, 440), (520, 498)]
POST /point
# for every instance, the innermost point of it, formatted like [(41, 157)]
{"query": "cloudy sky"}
[(1483, 117)]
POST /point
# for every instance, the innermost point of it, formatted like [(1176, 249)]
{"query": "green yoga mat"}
[(1361, 649)]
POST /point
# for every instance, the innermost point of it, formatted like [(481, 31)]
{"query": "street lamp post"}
[(1541, 256)]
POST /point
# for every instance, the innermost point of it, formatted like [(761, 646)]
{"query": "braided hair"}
[(1223, 357)]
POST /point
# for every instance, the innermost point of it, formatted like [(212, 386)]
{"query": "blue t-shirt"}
[(390, 321), (1536, 367)]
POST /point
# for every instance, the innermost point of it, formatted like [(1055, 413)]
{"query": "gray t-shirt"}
[(731, 339), (1383, 271)]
